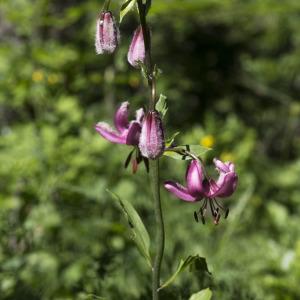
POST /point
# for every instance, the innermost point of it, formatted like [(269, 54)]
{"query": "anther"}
[(196, 216), (226, 213)]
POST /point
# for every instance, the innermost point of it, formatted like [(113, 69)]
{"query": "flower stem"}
[(160, 235), (153, 164)]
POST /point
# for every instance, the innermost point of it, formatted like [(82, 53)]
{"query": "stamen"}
[(217, 219), (202, 211), (203, 207), (196, 216), (203, 220), (218, 204), (225, 210), (226, 213), (212, 209)]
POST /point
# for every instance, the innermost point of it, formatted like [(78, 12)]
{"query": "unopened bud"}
[(107, 33), (152, 142), (136, 51)]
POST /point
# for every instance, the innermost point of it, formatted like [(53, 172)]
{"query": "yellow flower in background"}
[(227, 156), (53, 78), (37, 76), (207, 141)]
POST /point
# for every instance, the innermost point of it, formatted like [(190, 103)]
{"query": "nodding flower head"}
[(126, 132), (136, 53), (199, 187), (107, 33), (152, 143)]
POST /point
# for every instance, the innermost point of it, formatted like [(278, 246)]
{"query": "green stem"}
[(153, 164), (106, 5), (160, 234)]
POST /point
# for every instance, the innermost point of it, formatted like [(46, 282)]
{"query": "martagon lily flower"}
[(127, 133), (199, 187)]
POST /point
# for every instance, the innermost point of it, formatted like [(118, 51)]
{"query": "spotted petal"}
[(179, 191)]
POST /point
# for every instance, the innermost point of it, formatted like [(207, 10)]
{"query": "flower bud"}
[(136, 51), (107, 33), (152, 142)]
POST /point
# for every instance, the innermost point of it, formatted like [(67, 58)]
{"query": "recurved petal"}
[(109, 134), (194, 178), (225, 185), (133, 134), (139, 115), (180, 191), (121, 117), (221, 166)]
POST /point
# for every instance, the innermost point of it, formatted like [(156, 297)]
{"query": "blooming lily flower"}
[(107, 33), (126, 132), (136, 53), (152, 143), (200, 187)]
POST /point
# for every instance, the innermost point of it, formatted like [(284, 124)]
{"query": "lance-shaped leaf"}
[(194, 263), (170, 141), (202, 295), (126, 7), (161, 105), (182, 152), (139, 232)]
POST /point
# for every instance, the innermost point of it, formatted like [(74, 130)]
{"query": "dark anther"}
[(226, 213), (203, 220), (128, 158), (196, 216)]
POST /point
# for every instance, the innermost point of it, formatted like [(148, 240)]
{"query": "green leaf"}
[(170, 140), (202, 295), (180, 152), (161, 105), (195, 263), (126, 7), (176, 155), (139, 232), (197, 149)]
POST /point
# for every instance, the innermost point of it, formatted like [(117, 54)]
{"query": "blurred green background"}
[(231, 74)]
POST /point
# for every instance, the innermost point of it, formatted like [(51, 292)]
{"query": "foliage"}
[(231, 75)]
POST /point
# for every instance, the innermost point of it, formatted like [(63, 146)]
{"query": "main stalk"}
[(154, 164)]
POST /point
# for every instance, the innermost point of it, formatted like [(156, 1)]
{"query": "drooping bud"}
[(136, 51), (152, 142), (107, 33)]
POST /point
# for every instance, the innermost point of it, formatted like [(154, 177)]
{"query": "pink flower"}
[(152, 142), (107, 33), (126, 132), (136, 51), (201, 188)]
